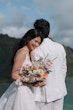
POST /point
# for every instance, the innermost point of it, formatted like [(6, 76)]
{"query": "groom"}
[(51, 95)]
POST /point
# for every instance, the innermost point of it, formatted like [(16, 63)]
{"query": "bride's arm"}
[(20, 57)]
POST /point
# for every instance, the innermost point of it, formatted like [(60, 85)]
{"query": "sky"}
[(18, 16)]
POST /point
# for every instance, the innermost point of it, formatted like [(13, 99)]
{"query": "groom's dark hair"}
[(42, 25)]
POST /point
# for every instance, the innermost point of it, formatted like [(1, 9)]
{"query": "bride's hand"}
[(37, 84), (25, 80)]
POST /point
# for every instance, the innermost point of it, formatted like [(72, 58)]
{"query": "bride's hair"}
[(42, 25), (29, 35)]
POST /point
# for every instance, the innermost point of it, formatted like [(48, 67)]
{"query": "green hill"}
[(69, 52), (6, 51)]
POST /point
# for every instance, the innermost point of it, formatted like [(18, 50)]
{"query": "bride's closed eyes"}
[(34, 43)]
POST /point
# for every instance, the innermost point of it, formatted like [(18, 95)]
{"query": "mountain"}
[(69, 52), (6, 52)]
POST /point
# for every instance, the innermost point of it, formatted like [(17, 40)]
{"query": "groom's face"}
[(34, 43)]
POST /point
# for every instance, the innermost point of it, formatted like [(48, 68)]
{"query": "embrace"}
[(39, 72)]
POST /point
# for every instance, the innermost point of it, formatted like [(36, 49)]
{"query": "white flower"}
[(30, 72), (18, 82), (40, 71), (34, 72)]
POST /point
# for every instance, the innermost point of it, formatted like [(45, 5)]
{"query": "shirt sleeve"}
[(64, 63), (37, 54)]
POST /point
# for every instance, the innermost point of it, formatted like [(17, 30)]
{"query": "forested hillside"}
[(6, 51), (69, 52)]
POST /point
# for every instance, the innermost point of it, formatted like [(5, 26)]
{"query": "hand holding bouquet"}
[(37, 72)]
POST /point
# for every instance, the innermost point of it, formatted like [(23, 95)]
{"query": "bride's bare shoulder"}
[(21, 53)]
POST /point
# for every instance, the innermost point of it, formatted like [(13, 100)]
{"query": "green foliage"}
[(6, 52), (69, 52)]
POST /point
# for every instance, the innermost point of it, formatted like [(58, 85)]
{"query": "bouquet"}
[(38, 71)]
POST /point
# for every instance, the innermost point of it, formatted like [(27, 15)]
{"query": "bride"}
[(19, 95)]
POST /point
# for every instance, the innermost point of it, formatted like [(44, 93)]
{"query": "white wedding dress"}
[(18, 96)]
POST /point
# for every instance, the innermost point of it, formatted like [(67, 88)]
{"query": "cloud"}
[(41, 3), (58, 12), (17, 15), (18, 18), (13, 17), (62, 17), (14, 31), (13, 25), (61, 10), (42, 7), (64, 37), (3, 21)]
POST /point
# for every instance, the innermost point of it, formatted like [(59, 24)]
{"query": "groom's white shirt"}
[(55, 87)]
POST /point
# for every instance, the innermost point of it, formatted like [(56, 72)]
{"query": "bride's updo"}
[(43, 26)]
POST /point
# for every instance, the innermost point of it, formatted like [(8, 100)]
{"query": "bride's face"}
[(34, 43)]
